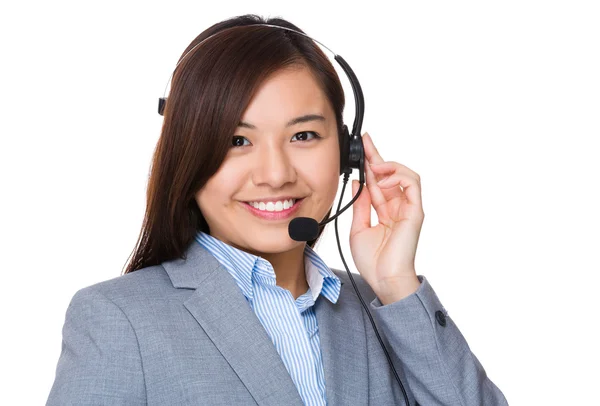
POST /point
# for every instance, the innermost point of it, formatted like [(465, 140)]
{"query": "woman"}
[(218, 305)]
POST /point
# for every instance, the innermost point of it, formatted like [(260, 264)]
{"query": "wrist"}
[(394, 289)]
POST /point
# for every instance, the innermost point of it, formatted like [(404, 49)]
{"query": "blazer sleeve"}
[(100, 362), (438, 364)]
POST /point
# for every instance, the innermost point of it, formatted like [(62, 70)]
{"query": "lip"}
[(274, 215), (274, 199)]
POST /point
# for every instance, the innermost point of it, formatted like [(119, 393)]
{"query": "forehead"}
[(287, 93)]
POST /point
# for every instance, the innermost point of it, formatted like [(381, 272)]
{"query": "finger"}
[(378, 200), (385, 168), (410, 186), (361, 210), (371, 152)]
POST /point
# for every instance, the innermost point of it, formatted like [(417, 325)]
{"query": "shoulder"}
[(129, 290)]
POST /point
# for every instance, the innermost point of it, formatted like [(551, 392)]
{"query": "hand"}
[(385, 253)]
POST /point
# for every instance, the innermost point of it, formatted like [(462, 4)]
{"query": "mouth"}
[(273, 210)]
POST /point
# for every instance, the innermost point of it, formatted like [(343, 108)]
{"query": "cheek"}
[(327, 157), (203, 201), (324, 174), (331, 163), (215, 193)]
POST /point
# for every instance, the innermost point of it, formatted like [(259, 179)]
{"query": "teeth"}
[(273, 206)]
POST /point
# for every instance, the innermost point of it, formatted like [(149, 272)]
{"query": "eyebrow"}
[(302, 119)]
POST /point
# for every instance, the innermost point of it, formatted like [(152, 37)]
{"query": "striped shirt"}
[(291, 324)]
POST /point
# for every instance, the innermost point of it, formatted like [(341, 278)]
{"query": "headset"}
[(352, 156)]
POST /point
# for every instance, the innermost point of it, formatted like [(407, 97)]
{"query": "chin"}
[(271, 241)]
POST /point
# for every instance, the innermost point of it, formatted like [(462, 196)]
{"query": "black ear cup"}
[(161, 105), (351, 152), (345, 151), (357, 152)]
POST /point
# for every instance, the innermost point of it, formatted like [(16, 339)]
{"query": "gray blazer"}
[(182, 333)]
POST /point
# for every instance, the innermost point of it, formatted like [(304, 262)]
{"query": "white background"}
[(495, 106)]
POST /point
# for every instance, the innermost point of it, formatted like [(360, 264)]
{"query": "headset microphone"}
[(352, 156)]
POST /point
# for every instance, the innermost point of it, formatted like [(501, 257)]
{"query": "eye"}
[(238, 141), (303, 135)]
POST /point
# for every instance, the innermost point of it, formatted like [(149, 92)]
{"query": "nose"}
[(273, 167)]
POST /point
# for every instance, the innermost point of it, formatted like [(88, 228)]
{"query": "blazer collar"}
[(221, 309)]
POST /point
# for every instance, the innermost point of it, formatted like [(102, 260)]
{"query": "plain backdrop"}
[(495, 105)]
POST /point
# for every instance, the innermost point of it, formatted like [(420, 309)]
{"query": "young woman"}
[(218, 305)]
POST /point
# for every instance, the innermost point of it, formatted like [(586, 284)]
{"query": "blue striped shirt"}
[(291, 324)]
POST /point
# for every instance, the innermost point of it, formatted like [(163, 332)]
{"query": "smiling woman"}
[(219, 304)]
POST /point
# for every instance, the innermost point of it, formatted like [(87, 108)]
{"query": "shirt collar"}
[(241, 265)]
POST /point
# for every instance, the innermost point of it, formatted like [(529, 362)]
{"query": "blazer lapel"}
[(223, 312), (343, 348)]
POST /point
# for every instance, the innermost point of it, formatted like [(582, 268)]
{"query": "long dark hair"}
[(210, 90)]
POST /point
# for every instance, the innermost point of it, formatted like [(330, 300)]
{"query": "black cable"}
[(387, 355)]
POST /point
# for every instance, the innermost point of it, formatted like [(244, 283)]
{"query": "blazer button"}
[(441, 318)]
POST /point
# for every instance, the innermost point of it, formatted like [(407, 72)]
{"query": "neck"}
[(289, 270)]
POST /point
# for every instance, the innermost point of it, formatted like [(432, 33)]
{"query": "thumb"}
[(361, 209)]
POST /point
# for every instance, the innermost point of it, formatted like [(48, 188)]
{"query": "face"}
[(285, 147)]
